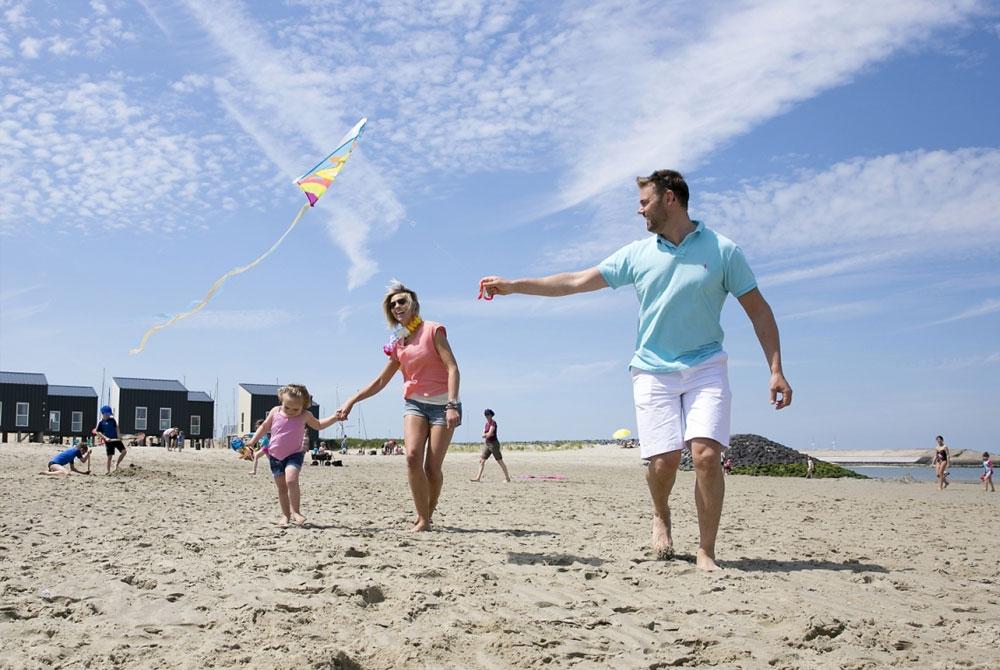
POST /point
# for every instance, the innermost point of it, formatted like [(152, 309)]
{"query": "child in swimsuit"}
[(987, 473), (287, 425)]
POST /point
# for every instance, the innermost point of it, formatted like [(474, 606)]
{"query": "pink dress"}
[(286, 435)]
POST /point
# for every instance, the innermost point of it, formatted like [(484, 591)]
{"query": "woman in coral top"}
[(432, 411)]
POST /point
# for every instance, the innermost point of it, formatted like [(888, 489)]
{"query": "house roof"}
[(73, 391), (26, 378), (269, 389), (261, 389), (199, 396), (140, 384)]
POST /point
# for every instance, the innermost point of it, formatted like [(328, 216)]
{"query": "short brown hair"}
[(668, 180), (297, 391), (394, 287)]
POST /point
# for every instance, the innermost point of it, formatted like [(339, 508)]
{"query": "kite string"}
[(217, 285)]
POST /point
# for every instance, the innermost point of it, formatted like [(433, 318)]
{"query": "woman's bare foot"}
[(473, 480), (706, 562), (662, 543), (282, 522), (298, 519), (420, 526)]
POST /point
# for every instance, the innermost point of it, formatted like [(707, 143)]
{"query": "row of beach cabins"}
[(33, 410)]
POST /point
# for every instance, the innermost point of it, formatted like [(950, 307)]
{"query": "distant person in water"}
[(107, 430), (491, 447), (942, 457), (987, 476), (58, 464)]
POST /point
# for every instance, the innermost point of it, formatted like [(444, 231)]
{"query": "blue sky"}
[(852, 149)]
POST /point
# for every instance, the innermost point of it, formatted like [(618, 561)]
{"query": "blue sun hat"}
[(106, 409)]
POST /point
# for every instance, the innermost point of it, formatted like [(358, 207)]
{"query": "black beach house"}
[(23, 404)]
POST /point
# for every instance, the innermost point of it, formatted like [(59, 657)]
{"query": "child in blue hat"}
[(107, 430)]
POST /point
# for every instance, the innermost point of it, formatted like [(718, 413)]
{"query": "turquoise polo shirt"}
[(681, 290)]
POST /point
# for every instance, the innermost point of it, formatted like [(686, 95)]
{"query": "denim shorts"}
[(278, 467), (435, 414)]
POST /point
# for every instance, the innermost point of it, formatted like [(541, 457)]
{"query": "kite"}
[(314, 184)]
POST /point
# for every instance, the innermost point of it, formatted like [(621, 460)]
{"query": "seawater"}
[(922, 473)]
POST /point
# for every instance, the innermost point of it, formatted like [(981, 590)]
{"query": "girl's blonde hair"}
[(395, 286), (297, 391)]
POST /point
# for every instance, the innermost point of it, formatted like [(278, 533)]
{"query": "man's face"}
[(652, 207)]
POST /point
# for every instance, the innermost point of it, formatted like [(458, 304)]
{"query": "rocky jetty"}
[(755, 454)]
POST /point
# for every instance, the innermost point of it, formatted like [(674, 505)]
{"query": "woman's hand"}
[(451, 418)]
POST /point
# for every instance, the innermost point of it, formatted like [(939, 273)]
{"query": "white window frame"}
[(195, 425), (18, 414), (166, 423), (76, 422), (144, 420), (55, 416)]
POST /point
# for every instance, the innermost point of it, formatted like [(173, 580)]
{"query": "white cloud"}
[(989, 306), (31, 47), (241, 320), (839, 312)]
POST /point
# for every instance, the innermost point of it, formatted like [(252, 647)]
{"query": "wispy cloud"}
[(961, 363), (989, 306), (246, 319), (300, 103), (847, 310)]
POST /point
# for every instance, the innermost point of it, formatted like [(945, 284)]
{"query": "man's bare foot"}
[(662, 543), (473, 480), (706, 562), (298, 519)]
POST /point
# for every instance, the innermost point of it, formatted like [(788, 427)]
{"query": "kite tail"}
[(217, 285)]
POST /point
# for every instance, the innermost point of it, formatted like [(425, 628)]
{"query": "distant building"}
[(72, 411), (148, 405), (201, 416), (253, 403), (23, 404)]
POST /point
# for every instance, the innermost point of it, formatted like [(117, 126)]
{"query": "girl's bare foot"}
[(298, 519), (662, 543), (706, 562)]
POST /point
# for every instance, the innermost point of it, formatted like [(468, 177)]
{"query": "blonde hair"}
[(395, 286), (297, 391)]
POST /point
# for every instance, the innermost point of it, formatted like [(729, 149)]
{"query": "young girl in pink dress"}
[(287, 425)]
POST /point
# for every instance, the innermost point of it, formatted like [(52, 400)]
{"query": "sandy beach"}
[(176, 563)]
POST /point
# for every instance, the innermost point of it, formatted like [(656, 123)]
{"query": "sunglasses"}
[(398, 302)]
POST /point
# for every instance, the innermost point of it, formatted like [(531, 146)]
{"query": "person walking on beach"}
[(942, 455), (107, 430), (810, 467), (287, 424), (432, 410), (987, 476), (57, 466), (682, 274), (491, 447)]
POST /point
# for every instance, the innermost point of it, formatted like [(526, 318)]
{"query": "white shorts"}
[(673, 408)]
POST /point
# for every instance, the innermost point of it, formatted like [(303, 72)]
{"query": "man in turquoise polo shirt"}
[(682, 275)]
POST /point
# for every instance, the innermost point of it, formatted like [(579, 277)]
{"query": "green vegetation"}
[(822, 471)]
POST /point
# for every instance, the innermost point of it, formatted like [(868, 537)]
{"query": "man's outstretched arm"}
[(766, 328), (565, 283)]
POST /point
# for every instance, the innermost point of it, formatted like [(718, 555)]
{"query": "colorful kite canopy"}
[(315, 182)]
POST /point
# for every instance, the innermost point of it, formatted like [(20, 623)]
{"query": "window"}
[(165, 415), (140, 418), (21, 415), (76, 422), (195, 424), (55, 418)]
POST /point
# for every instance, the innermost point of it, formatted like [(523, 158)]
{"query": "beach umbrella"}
[(621, 433)]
